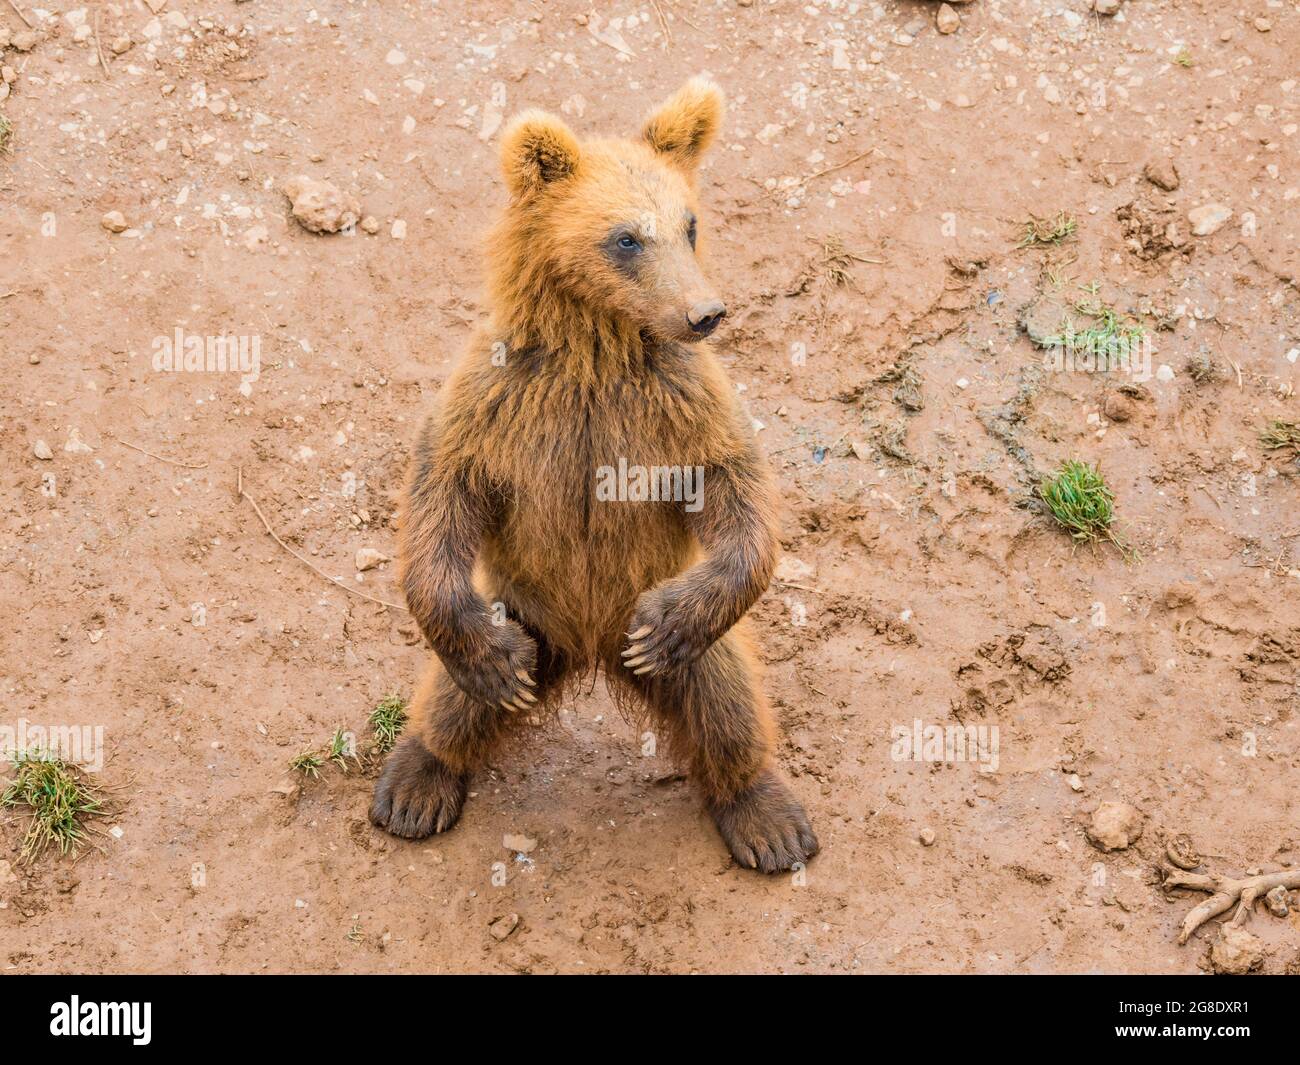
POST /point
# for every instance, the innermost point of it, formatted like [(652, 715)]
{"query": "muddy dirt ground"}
[(865, 200)]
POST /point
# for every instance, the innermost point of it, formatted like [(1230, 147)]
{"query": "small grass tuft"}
[(342, 747), (1079, 498), (1109, 334), (1184, 59), (6, 132), (308, 763), (1278, 435), (59, 798), (387, 721), (1048, 232), (1201, 369)]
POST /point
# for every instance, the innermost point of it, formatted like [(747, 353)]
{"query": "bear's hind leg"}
[(721, 724), (448, 736)]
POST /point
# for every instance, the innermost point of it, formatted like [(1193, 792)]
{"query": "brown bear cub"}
[(521, 563)]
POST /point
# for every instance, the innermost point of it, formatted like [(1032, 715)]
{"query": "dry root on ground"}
[(1224, 892)]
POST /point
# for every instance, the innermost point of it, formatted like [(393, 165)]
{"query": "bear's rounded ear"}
[(684, 125), (536, 149)]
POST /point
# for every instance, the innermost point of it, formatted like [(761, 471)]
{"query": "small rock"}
[(121, 45), (1236, 952), (370, 224), (1115, 825), (320, 206), (1118, 407), (1105, 7), (1162, 173), (287, 787), (1278, 902), (503, 926), (1075, 783), (926, 836), (114, 222), (399, 229), (520, 843), (42, 450), (792, 569), (1208, 219), (946, 20), (1261, 24), (369, 558), (75, 444), (7, 875), (1181, 852), (24, 41)]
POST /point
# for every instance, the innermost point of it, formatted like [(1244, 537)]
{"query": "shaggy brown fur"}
[(520, 575)]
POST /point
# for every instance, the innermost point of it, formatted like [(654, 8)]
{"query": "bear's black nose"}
[(704, 317)]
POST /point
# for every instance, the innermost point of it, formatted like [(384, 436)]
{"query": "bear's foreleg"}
[(676, 621)]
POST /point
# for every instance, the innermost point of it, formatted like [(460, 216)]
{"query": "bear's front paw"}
[(665, 635), (417, 794), (498, 671)]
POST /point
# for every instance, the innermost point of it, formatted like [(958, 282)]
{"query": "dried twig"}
[(663, 22), (99, 48), (19, 12), (838, 166), (1224, 892), (239, 488), (160, 458)]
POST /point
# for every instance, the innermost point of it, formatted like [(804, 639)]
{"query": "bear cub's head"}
[(613, 225)]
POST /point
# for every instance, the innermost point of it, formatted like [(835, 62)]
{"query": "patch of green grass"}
[(341, 748), (1184, 59), (1278, 435), (1079, 498), (59, 798), (1048, 232), (387, 721), (308, 763), (1109, 333), (6, 132)]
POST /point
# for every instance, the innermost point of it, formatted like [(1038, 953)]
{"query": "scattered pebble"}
[(1182, 853), (792, 569), (946, 19), (1115, 826), (503, 926), (320, 206), (520, 843), (1162, 173), (42, 450), (927, 837), (369, 558), (1236, 951), (114, 222), (1208, 219), (1278, 902)]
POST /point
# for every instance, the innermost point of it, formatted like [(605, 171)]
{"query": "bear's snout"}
[(703, 318)]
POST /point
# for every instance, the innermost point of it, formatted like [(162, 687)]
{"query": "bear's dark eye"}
[(690, 231), (629, 243)]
